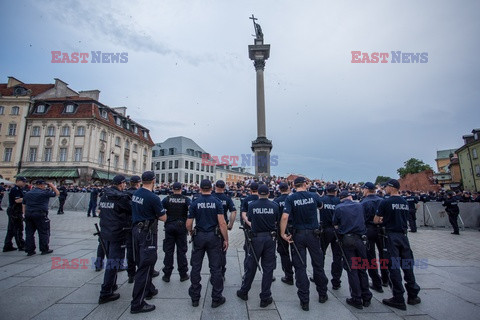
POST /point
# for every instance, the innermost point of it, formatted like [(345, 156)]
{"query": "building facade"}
[(231, 174), (469, 161), (180, 159), (16, 100), (78, 140)]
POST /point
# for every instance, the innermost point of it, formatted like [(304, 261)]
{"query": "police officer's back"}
[(15, 216), (452, 209)]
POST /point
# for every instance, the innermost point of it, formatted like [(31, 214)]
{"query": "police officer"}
[(176, 206), (147, 209), (61, 199), (228, 206), (349, 220), (393, 213), (451, 207), (134, 186), (15, 217), (263, 215), (35, 209), (282, 245), (2, 193), (244, 209), (330, 200), (412, 201), (375, 237), (302, 205), (210, 227), (92, 205), (115, 210)]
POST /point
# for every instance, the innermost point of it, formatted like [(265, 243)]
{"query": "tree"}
[(413, 166), (381, 179)]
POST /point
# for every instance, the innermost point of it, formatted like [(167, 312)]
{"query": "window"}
[(163, 178), (175, 176), (170, 177), (127, 145), (477, 169), (203, 167), (80, 131), (101, 157), (125, 164), (65, 131), (12, 129), (35, 131), (127, 125), (171, 151), (103, 136), (48, 155), (135, 147), (118, 121), (186, 178), (7, 155), (145, 134), (15, 111), (2, 109), (40, 108), (135, 129), (197, 178), (104, 114), (170, 164), (78, 154), (186, 167), (0, 128), (62, 157), (117, 141), (51, 131), (191, 177), (176, 165), (162, 152), (70, 108), (116, 160), (191, 166), (157, 165), (474, 153), (198, 167), (163, 165), (32, 155), (134, 165)]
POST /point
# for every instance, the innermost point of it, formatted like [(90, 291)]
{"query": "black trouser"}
[(92, 207), (328, 238), (283, 250), (453, 219), (206, 242), (401, 257), (375, 239), (145, 246), (175, 235), (37, 221), (100, 255), (264, 248), (115, 255), (130, 256), (357, 278), (412, 217), (14, 230), (306, 239), (61, 203)]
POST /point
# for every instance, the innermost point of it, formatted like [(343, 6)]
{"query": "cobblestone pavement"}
[(29, 288)]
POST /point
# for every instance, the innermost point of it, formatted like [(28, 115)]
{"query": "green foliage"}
[(381, 179), (413, 166)]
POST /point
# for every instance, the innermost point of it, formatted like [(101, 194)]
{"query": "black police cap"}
[(299, 180), (135, 179), (312, 189), (205, 184), (331, 187), (220, 184), (283, 186), (40, 181), (254, 186), (148, 176), (393, 183), (177, 186), (118, 179), (344, 194), (21, 178), (263, 189), (369, 186)]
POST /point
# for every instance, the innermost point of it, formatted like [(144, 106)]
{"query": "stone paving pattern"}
[(30, 289)]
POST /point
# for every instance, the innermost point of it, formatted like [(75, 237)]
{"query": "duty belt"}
[(265, 233)]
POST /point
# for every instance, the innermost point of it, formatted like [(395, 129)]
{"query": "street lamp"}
[(108, 172)]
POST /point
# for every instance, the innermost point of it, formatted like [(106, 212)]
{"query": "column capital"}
[(259, 65)]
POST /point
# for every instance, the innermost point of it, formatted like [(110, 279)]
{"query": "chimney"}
[(12, 82), (94, 94)]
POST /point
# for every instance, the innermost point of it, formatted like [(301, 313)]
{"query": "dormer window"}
[(70, 108), (40, 108), (104, 114), (118, 121), (127, 125), (145, 134), (135, 129), (19, 91)]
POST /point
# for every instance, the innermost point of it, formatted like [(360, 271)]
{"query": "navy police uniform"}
[(15, 219), (395, 211), (412, 201), (114, 208), (282, 245), (244, 208), (351, 226), (451, 207), (228, 206), (92, 205), (176, 206), (207, 239), (263, 215), (146, 210), (375, 237), (302, 206), (61, 199), (128, 231), (328, 236), (36, 219)]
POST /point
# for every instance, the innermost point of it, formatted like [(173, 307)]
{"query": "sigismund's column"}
[(259, 53)]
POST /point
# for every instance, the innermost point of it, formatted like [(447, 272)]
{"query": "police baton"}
[(101, 240), (296, 248), (341, 250), (249, 240)]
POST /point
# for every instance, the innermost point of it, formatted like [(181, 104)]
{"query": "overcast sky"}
[(188, 73)]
